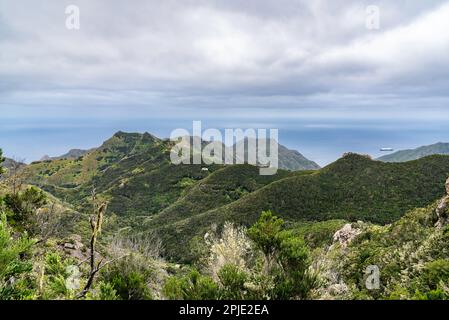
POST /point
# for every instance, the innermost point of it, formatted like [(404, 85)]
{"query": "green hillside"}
[(132, 171), (71, 173), (353, 188), (338, 221), (287, 159), (413, 154), (412, 255), (222, 187), (146, 192), (293, 160)]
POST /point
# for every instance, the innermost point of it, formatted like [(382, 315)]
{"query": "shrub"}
[(265, 233), (434, 273), (129, 277), (233, 282), (13, 269), (231, 248), (293, 279), (286, 258), (193, 286), (24, 204), (103, 291), (55, 275)]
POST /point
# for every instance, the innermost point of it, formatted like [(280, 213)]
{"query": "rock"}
[(338, 289), (11, 281), (70, 246), (442, 209), (346, 234), (74, 247)]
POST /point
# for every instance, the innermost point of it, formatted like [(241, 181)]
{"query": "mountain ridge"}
[(441, 148), (346, 189)]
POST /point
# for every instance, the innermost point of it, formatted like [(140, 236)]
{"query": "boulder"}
[(74, 248), (442, 210), (346, 234)]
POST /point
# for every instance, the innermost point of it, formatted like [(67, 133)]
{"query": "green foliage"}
[(293, 279), (434, 274), (103, 291), (352, 188), (14, 268), (147, 192), (290, 270), (437, 294), (192, 286), (130, 286), (265, 233), (221, 187), (129, 278), (24, 204), (132, 171), (233, 282), (316, 234), (54, 282), (283, 275), (412, 256)]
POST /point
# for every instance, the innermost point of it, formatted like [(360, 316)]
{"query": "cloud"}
[(283, 57)]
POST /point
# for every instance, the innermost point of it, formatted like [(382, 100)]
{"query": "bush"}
[(55, 275), (435, 273), (129, 277), (23, 205), (233, 281), (232, 247), (286, 258), (265, 232), (13, 269), (103, 291), (293, 280), (193, 286)]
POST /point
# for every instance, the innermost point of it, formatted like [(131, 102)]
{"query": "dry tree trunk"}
[(96, 222)]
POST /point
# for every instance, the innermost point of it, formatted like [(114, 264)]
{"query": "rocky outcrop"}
[(442, 209), (346, 234), (74, 248)]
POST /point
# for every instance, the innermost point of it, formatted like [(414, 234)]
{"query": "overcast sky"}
[(310, 68)]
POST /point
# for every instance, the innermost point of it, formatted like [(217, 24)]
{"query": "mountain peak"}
[(351, 160), (134, 135)]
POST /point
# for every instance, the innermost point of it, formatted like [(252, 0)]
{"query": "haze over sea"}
[(321, 141)]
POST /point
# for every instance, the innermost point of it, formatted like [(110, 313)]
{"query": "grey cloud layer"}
[(269, 55)]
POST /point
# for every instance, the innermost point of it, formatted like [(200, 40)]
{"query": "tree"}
[(2, 170), (293, 279), (24, 204), (96, 223), (12, 267), (265, 234), (15, 174), (286, 257)]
